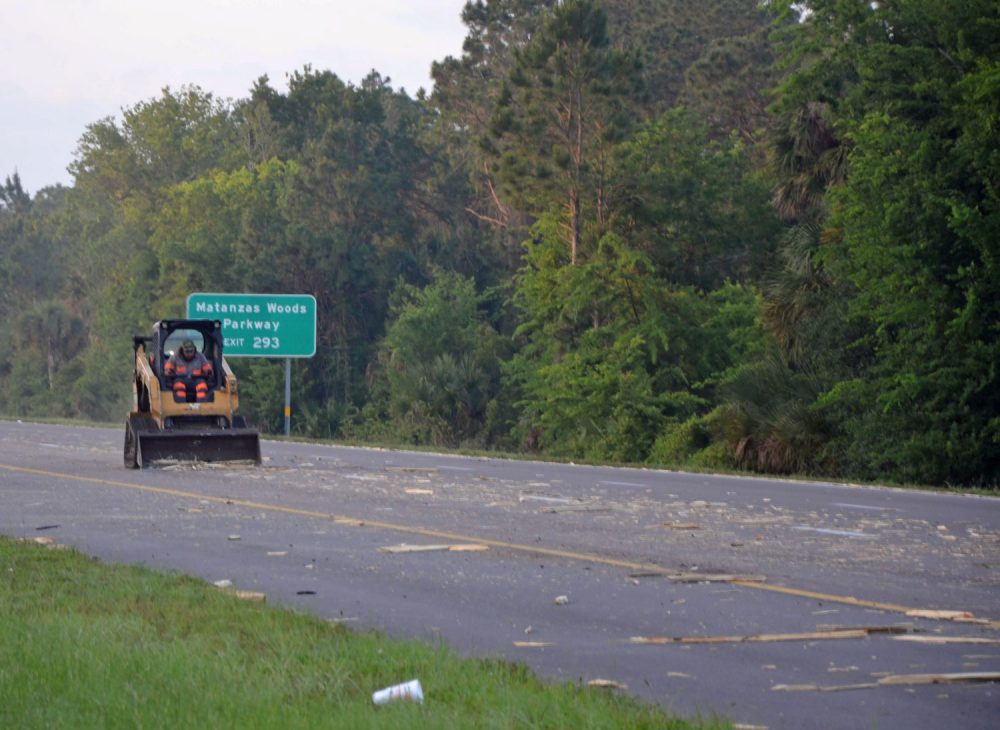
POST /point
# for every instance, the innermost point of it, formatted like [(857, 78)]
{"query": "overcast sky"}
[(67, 63)]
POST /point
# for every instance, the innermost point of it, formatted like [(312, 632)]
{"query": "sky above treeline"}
[(68, 63)]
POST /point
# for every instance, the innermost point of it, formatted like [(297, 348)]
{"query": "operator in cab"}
[(189, 367)]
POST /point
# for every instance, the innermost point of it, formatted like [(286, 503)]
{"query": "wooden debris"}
[(606, 684), (896, 680), (532, 644), (419, 491), (404, 548), (948, 678), (941, 615), (860, 633), (571, 508), (817, 688), (546, 498), (948, 639), (248, 595), (681, 526), (48, 542), (715, 578)]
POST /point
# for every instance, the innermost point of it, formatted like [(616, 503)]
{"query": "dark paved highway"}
[(631, 551)]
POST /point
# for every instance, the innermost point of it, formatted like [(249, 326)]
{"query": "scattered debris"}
[(277, 553), (44, 540), (860, 633), (342, 620), (681, 526), (405, 548), (561, 600), (411, 691), (607, 684), (532, 644), (305, 593), (224, 583), (47, 527), (744, 726), (233, 537), (415, 490), (678, 674)]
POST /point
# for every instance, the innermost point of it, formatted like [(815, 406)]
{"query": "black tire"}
[(239, 422), (131, 447)]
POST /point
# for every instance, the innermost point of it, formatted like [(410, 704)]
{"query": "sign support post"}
[(288, 396)]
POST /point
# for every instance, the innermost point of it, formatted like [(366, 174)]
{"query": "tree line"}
[(730, 235)]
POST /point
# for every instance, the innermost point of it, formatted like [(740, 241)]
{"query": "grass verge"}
[(84, 644)]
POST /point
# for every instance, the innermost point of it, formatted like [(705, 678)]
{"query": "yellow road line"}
[(460, 537)]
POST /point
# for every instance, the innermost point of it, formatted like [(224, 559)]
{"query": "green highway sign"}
[(260, 325)]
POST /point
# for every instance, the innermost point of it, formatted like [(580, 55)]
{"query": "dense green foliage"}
[(637, 230)]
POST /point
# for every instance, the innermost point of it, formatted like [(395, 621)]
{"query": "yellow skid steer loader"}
[(185, 416)]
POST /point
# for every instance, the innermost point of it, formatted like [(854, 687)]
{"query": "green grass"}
[(89, 645)]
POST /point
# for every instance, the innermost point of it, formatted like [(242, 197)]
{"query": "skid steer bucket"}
[(234, 444)]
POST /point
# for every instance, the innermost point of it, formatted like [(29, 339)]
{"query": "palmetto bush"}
[(769, 421)]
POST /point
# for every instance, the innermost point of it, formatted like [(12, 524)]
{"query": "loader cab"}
[(167, 338)]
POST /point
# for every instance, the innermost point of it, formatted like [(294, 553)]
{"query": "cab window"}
[(173, 342)]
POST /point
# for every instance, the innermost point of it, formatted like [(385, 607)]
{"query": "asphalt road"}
[(646, 565)]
